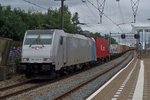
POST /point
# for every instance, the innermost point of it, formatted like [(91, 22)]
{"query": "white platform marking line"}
[(118, 93), (116, 96), (114, 99), (138, 92), (102, 87), (122, 86), (119, 90), (128, 77)]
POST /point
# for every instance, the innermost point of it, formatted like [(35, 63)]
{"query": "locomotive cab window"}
[(40, 37), (61, 40)]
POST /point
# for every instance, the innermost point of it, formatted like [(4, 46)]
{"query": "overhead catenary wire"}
[(122, 17), (93, 13), (134, 5), (35, 4), (121, 14), (87, 0), (106, 16), (90, 27), (101, 8)]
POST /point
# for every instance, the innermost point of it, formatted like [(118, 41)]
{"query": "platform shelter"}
[(144, 32)]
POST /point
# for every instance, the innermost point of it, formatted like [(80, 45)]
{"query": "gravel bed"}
[(88, 89), (49, 92), (15, 89), (13, 81)]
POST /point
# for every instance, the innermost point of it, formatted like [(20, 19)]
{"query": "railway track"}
[(11, 86), (26, 86), (16, 89), (14, 85), (30, 86), (77, 88)]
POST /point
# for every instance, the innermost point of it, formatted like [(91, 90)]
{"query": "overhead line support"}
[(101, 9), (135, 5), (62, 14)]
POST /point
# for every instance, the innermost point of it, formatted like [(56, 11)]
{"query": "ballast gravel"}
[(13, 81), (51, 91)]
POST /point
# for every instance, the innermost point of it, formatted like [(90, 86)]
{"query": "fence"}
[(10, 52)]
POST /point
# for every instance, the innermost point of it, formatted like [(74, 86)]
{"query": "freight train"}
[(54, 51)]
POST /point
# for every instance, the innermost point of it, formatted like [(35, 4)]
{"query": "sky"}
[(118, 12)]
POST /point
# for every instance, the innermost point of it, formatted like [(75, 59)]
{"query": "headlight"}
[(25, 59), (46, 59), (36, 48)]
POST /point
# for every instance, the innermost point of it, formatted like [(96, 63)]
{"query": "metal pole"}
[(134, 18), (100, 19), (149, 40), (140, 50), (119, 39), (137, 44), (62, 14), (145, 40), (109, 41)]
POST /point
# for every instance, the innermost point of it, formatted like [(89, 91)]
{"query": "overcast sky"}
[(88, 14)]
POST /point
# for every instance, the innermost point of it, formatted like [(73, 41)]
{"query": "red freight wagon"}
[(101, 48)]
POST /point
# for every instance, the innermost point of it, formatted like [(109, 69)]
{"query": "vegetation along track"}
[(67, 93)]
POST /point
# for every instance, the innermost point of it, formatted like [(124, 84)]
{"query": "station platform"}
[(131, 83)]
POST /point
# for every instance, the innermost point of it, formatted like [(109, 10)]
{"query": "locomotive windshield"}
[(38, 37)]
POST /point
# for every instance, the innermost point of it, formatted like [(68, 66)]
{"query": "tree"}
[(113, 41), (14, 23)]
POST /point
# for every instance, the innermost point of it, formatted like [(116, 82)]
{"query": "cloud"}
[(88, 14)]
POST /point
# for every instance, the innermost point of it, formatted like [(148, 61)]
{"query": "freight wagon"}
[(122, 48), (118, 48), (102, 53), (113, 49)]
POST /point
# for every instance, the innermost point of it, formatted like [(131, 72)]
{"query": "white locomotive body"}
[(45, 51)]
